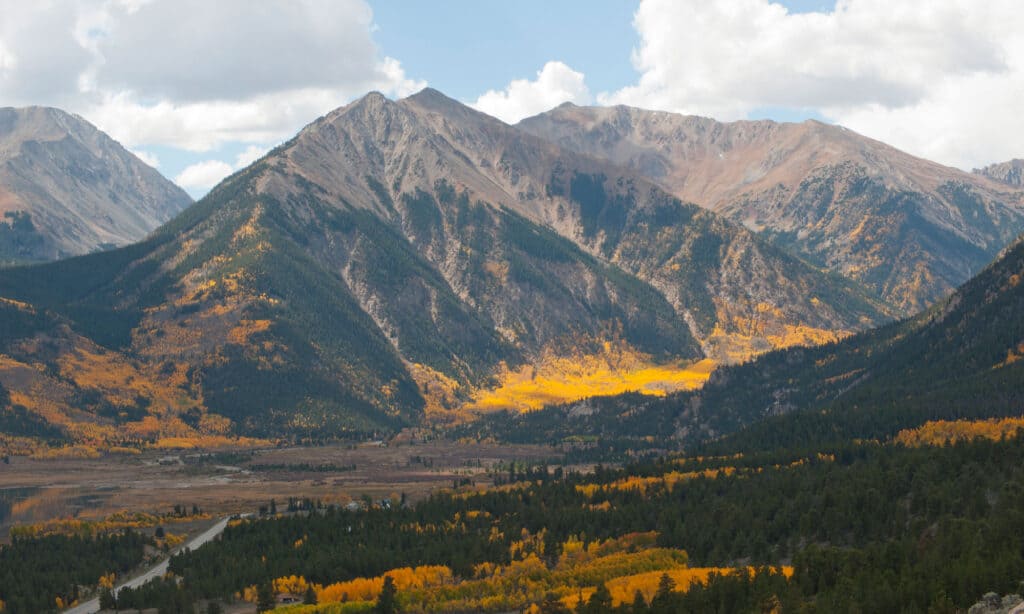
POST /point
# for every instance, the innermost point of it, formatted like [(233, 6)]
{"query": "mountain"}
[(394, 261), (1011, 173), (67, 189), (909, 230), (962, 359)]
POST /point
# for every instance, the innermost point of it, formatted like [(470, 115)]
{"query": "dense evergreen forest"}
[(41, 573), (867, 527)]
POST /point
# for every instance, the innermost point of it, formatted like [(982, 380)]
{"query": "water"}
[(28, 505)]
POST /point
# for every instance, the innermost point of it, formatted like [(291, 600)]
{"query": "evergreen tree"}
[(107, 600), (265, 598), (386, 603), (600, 602), (664, 599), (639, 603), (310, 597)]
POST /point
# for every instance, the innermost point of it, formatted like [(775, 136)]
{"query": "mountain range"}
[(399, 262), (908, 230), (67, 189), (959, 360)]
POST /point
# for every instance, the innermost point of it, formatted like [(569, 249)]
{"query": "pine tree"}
[(600, 601), (386, 602), (664, 600), (639, 603), (265, 598), (107, 600), (310, 597)]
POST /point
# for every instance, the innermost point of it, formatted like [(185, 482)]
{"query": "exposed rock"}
[(68, 189), (908, 229)]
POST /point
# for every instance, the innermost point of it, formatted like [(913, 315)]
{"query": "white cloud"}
[(236, 49), (556, 83), (203, 175), (250, 155), (942, 79), (193, 74), (147, 157)]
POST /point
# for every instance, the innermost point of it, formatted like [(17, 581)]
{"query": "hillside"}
[(68, 189), (959, 360), (396, 261), (907, 229)]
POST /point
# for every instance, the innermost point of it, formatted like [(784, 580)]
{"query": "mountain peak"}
[(429, 99), (75, 189), (373, 101)]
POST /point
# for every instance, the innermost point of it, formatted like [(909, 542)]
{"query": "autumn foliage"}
[(942, 432)]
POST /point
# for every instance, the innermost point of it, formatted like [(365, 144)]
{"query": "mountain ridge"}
[(908, 229), (66, 188), (394, 261)]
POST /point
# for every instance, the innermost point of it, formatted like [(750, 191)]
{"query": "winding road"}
[(93, 605)]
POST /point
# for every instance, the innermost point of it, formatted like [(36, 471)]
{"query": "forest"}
[(867, 527)]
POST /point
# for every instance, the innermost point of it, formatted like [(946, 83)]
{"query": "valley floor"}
[(41, 490)]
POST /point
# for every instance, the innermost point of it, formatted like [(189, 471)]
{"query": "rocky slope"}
[(1010, 173), (907, 229), (960, 359), (385, 263), (68, 189)]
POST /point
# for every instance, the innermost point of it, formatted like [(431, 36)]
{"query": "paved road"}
[(92, 606)]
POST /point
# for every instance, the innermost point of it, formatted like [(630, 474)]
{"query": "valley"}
[(601, 360), (94, 489)]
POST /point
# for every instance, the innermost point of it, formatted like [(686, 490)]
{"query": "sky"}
[(200, 89)]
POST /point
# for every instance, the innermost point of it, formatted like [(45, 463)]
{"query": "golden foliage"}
[(642, 484), (625, 564), (20, 306), (561, 379), (749, 338), (117, 521), (623, 589), (295, 585), (245, 329), (368, 589), (942, 432), (107, 580), (440, 392), (1012, 355)]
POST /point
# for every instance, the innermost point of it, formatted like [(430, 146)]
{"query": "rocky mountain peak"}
[(1011, 173), (66, 188)]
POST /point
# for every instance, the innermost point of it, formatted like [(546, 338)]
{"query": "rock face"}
[(1010, 173), (394, 255), (68, 189), (907, 229), (992, 603)]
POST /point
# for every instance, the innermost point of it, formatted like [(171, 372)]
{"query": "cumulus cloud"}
[(203, 175), (238, 48), (147, 157), (555, 83), (193, 74), (250, 155), (936, 78), (40, 58)]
